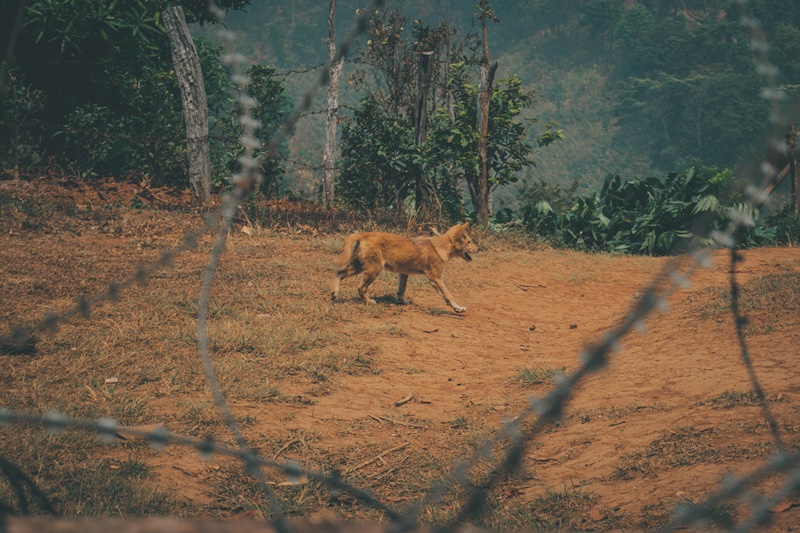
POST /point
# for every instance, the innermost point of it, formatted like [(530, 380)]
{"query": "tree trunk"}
[(195, 105), (423, 198), (791, 142), (486, 76), (333, 110), (482, 190)]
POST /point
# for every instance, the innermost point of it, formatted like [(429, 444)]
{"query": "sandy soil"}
[(647, 432)]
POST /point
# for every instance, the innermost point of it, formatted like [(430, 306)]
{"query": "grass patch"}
[(770, 303), (686, 447), (100, 489), (529, 377), (615, 412), (75, 486), (554, 510), (734, 398)]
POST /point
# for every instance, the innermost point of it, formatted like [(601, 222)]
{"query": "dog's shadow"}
[(391, 302), (386, 299)]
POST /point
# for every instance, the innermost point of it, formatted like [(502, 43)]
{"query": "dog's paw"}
[(459, 309), (369, 301)]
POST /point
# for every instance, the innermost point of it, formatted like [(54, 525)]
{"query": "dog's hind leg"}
[(366, 281), (402, 281), (350, 264), (343, 273), (335, 285)]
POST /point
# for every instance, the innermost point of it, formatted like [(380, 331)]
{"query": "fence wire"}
[(674, 276)]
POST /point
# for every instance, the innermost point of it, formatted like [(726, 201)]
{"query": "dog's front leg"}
[(402, 281), (440, 287)]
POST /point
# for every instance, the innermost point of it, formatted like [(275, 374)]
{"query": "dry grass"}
[(136, 362), (686, 446), (765, 301), (281, 348)]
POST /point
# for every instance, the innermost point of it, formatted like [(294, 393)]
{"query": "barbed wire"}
[(249, 177), (674, 276), (291, 72), (594, 358), (110, 431)]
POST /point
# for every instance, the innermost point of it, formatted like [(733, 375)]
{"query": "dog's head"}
[(462, 244)]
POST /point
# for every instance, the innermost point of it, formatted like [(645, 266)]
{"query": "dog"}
[(372, 251)]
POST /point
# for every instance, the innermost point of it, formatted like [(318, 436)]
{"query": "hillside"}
[(640, 89), (319, 383)]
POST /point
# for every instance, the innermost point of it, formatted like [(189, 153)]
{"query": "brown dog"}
[(371, 252)]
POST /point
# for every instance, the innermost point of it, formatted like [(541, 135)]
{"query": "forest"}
[(661, 101)]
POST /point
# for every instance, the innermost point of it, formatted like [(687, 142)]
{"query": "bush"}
[(649, 216)]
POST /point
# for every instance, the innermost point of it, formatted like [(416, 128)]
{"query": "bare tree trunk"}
[(791, 143), (483, 208), (333, 109), (195, 105), (423, 199), (486, 75)]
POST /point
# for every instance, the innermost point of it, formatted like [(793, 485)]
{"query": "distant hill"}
[(639, 88)]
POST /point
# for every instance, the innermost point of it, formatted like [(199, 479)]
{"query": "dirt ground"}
[(319, 382)]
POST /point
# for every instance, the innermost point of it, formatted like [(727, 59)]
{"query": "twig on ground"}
[(376, 458), (405, 400)]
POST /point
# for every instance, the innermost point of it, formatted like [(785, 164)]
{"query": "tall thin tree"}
[(195, 105), (335, 70), (425, 74), (791, 143), (481, 196)]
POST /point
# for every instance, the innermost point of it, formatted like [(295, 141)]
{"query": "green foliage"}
[(21, 116), (383, 167), (270, 107), (650, 216), (687, 89), (785, 225), (379, 159), (95, 90), (509, 150)]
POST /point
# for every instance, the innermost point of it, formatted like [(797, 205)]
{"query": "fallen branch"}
[(526, 287), (376, 458), (407, 399), (399, 423), (286, 447)]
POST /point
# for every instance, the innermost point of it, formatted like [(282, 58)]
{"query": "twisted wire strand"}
[(109, 431), (248, 178), (594, 358)]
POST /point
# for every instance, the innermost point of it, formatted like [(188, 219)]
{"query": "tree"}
[(791, 144), (387, 161), (379, 159), (480, 190), (111, 102), (195, 104), (269, 110), (509, 147), (334, 70), (405, 75)]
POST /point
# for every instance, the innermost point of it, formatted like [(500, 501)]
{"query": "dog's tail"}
[(350, 251)]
